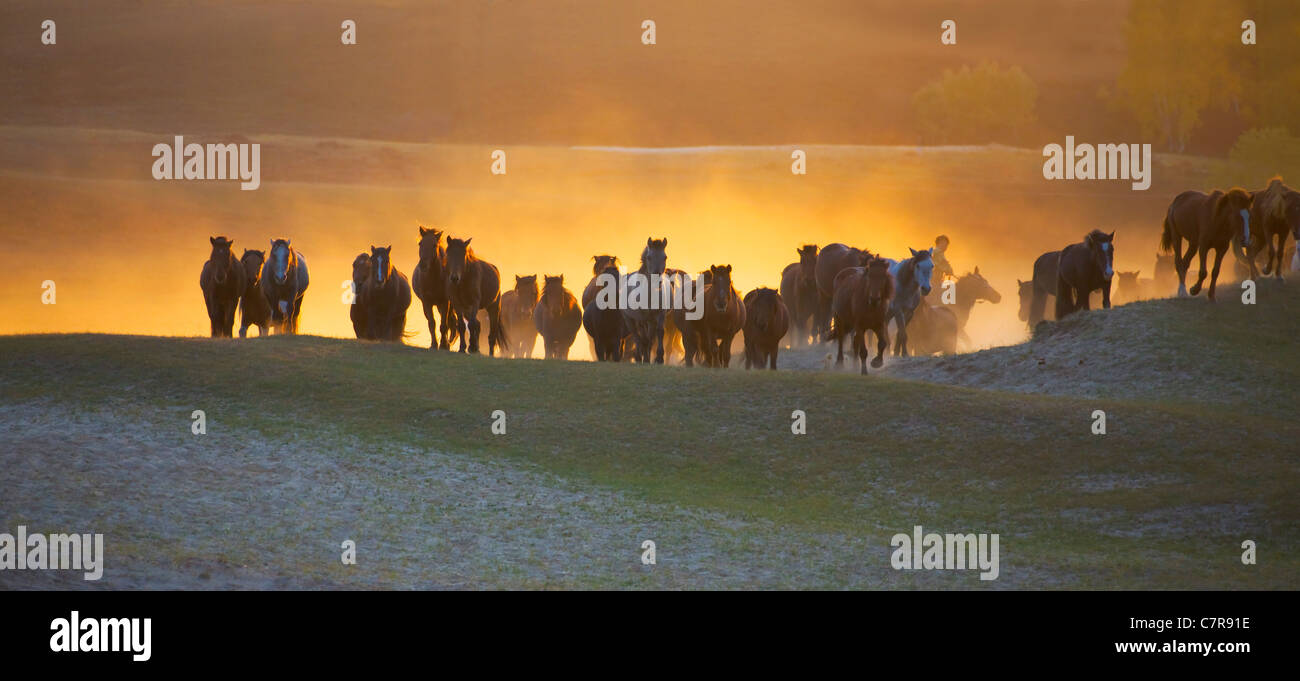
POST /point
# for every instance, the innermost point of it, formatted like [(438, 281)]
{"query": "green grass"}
[(1164, 500)]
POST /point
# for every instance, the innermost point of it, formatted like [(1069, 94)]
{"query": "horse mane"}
[(1272, 200)]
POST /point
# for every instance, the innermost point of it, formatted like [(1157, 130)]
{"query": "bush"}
[(1259, 154), (975, 106)]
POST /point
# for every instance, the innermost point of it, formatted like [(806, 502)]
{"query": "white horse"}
[(911, 286)]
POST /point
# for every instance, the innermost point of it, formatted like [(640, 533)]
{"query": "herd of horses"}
[(834, 292)]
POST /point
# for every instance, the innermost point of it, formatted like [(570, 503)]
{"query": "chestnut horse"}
[(474, 284), (862, 302), (284, 283), (387, 296), (766, 322), (1276, 213), (557, 317), (605, 324), (1205, 221), (253, 308), (830, 261), (724, 317), (799, 292), (429, 282), (517, 307), (222, 283)]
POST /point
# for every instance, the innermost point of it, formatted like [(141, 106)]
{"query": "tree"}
[(975, 106)]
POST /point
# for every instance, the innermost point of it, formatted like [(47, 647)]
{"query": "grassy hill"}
[(313, 440)]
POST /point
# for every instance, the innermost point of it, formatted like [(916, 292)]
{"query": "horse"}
[(933, 329), (799, 292), (971, 288), (672, 334), (253, 308), (862, 301), (1130, 288), (605, 325), (830, 260), (222, 283), (911, 286), (429, 282), (1276, 213), (387, 295), (724, 317), (601, 265), (473, 284), (1083, 268), (766, 322), (1044, 286), (1026, 290), (284, 282), (646, 323), (358, 312), (517, 307), (557, 317), (1205, 221)]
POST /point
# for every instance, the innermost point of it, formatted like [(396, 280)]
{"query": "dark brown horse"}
[(284, 283), (557, 317), (830, 261), (1044, 287), (862, 303), (1083, 268), (646, 322), (604, 321), (222, 283), (602, 265), (517, 307), (766, 322), (429, 282), (474, 284), (799, 292), (724, 317), (358, 312), (387, 296), (253, 308), (1205, 221)]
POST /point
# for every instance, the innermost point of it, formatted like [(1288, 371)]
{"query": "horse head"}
[(1102, 247), (600, 263), (552, 293), (360, 272), (283, 260), (1026, 298), (922, 268), (654, 259), (808, 264), (381, 263), (879, 284), (222, 258), (430, 247), (977, 288), (458, 253), (252, 262), (526, 289), (720, 290)]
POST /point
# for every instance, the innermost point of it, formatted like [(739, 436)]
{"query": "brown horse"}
[(1044, 287), (799, 292), (1083, 268), (830, 261), (473, 284), (861, 304), (429, 282), (222, 283), (253, 308), (724, 317), (284, 283), (933, 329), (517, 307), (971, 288), (1205, 221), (358, 312), (557, 317), (766, 322), (602, 265), (387, 296), (604, 324), (1276, 213)]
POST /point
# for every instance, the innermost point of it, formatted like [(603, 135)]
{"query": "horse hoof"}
[(877, 363)]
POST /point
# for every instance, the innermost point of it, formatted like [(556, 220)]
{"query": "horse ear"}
[(913, 250), (390, 247), (1112, 234), (977, 269), (665, 242), (1018, 282), (230, 242), (372, 248), (1136, 272), (649, 241), (288, 242), (212, 240), (561, 278), (518, 278), (468, 240), (594, 258), (423, 231), (272, 241), (728, 269)]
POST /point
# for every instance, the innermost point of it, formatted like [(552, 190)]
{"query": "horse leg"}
[(1214, 276), (659, 343), (882, 344), (860, 349), (1200, 274), (1105, 295), (839, 343), (1180, 265), (427, 308), (474, 328)]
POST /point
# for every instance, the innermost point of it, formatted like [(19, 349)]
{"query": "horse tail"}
[(1167, 236)]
